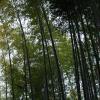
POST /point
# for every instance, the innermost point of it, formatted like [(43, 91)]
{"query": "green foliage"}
[(10, 31)]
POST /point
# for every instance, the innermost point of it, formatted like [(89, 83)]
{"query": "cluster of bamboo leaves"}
[(35, 58)]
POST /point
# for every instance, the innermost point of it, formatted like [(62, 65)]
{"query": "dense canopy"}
[(49, 50)]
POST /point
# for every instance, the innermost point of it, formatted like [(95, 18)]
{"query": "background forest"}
[(49, 50)]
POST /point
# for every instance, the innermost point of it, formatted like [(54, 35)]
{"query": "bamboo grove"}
[(49, 50)]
